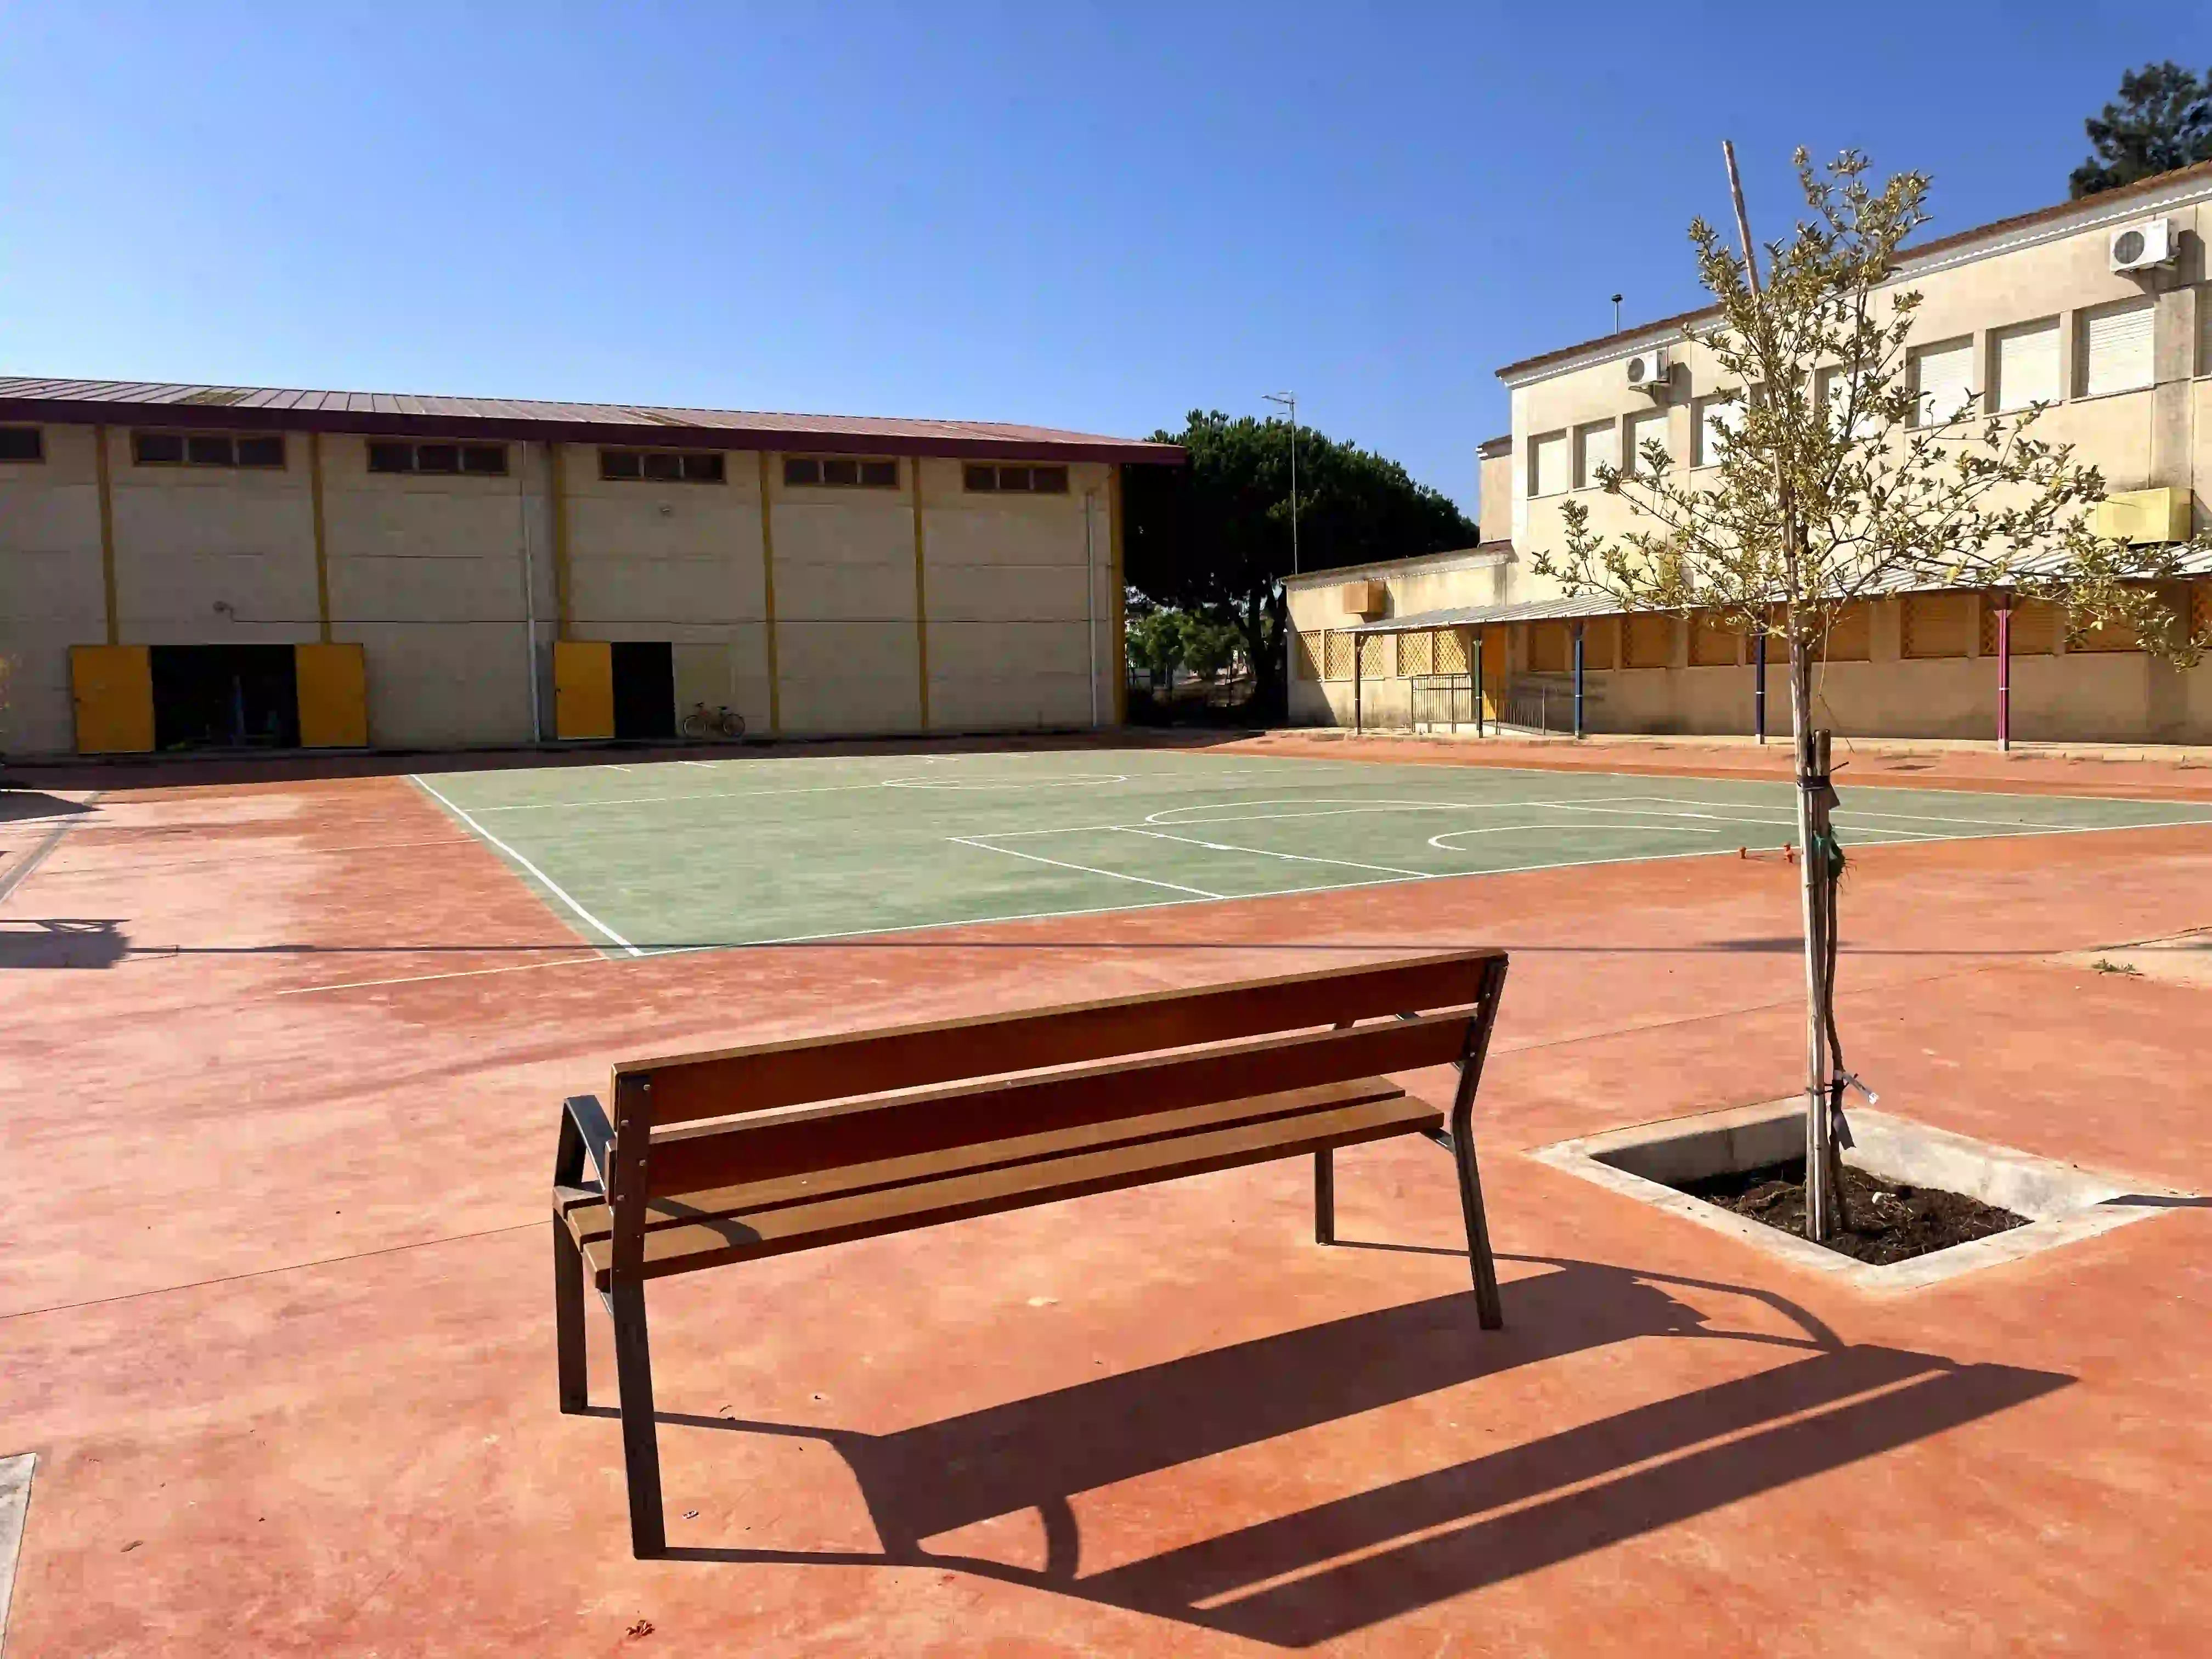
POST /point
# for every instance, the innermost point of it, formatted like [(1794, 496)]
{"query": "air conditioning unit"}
[(2142, 247), (1368, 599), (1648, 371)]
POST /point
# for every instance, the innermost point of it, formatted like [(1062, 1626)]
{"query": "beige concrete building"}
[(214, 567), (2098, 308)]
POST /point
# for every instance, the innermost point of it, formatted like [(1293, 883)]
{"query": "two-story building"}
[(2099, 309), (194, 567)]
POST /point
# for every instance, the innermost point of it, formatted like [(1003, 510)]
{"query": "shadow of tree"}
[(1340, 1566)]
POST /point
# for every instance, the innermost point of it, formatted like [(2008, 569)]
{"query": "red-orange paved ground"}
[(275, 1315)]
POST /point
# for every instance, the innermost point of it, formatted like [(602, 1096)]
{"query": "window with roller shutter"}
[(1548, 465), (1713, 643), (1600, 638), (1596, 446), (1717, 421), (2034, 628), (2116, 354), (1643, 431), (1650, 641), (1850, 634), (1843, 398), (1943, 382), (2026, 365), (1549, 650), (1937, 625)]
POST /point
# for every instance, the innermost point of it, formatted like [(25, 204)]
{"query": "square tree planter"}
[(2062, 1202)]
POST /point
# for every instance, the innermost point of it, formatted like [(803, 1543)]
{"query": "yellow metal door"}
[(583, 689), (333, 682), (112, 686), (1493, 674)]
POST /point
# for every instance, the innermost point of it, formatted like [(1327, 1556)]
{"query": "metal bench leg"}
[(1325, 1196), (1487, 1305), (568, 1318), (649, 1535)]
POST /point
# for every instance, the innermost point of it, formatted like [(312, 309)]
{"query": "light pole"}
[(1290, 401)]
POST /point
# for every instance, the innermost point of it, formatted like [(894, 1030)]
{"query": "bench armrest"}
[(584, 1129)]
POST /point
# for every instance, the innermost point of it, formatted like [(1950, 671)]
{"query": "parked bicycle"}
[(723, 723)]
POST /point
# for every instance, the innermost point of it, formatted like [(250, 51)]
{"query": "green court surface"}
[(691, 853)]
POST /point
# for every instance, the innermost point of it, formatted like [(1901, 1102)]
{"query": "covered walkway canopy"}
[(1482, 616)]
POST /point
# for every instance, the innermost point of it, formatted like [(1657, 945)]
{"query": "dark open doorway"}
[(644, 691), (225, 696)]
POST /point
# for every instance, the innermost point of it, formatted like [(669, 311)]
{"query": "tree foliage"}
[(1162, 640), (1213, 538), (2162, 120)]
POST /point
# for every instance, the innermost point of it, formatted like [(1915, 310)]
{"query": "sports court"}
[(698, 854), (285, 1055)]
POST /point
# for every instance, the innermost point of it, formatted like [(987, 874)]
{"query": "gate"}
[(1443, 702)]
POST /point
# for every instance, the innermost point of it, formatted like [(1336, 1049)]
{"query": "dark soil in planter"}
[(1884, 1221)]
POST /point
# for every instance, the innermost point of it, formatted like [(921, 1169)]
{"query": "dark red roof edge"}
[(632, 434)]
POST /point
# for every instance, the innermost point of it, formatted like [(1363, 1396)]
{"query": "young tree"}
[(1834, 483), (2163, 120)]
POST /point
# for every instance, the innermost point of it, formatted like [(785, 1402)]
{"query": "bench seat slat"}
[(591, 1217), (776, 1230)]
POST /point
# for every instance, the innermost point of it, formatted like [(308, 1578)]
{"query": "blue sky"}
[(1091, 216)]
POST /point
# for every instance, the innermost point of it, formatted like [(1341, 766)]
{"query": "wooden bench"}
[(730, 1156)]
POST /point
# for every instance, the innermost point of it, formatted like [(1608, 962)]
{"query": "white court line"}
[(457, 973), (748, 794), (1079, 780), (2020, 824), (704, 766), (550, 885), (1437, 841), (1162, 819), (696, 795), (1172, 886), (1264, 853), (1350, 805)]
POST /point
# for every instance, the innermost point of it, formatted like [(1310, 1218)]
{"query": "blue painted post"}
[(1478, 685), (1759, 687)]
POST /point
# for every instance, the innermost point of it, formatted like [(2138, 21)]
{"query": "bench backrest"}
[(785, 1108)]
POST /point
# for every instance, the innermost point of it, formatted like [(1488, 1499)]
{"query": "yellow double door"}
[(112, 688)]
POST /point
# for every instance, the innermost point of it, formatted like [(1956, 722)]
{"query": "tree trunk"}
[(1817, 891), (1265, 672)]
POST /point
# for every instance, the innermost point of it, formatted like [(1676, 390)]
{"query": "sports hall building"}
[(2098, 308), (216, 566)]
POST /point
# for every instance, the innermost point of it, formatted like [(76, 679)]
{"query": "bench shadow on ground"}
[(1306, 1577), (62, 942), (24, 805)]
